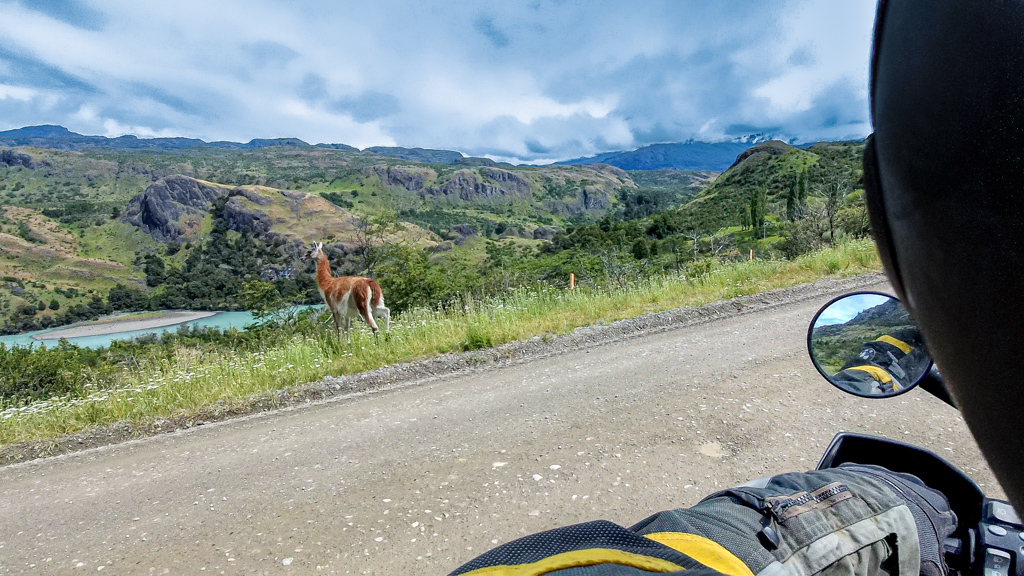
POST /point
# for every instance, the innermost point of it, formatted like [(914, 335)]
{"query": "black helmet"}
[(944, 179)]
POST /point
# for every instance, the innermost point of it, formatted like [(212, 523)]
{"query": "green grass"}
[(114, 241), (191, 380)]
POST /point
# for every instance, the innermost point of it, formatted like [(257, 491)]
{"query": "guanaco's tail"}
[(376, 294)]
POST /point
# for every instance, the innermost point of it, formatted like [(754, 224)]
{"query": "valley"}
[(470, 254)]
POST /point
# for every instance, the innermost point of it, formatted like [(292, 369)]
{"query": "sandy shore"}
[(113, 326)]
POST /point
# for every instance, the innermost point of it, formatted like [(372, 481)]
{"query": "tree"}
[(639, 249), (758, 207), (123, 297), (834, 191), (155, 270), (260, 297), (796, 200), (693, 236), (721, 242), (54, 305), (371, 236)]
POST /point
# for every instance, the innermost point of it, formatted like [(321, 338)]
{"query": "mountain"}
[(689, 155), (424, 155), (59, 137)]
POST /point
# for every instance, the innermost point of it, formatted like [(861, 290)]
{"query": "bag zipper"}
[(778, 506)]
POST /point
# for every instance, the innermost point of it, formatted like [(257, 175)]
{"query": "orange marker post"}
[(572, 281)]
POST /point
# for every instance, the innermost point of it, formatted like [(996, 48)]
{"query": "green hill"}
[(772, 169)]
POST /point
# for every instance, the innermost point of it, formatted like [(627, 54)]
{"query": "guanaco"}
[(347, 296)]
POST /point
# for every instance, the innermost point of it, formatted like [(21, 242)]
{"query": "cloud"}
[(16, 93), (485, 25), (367, 106), (25, 69), (313, 87), (72, 12), (547, 81), (266, 53)]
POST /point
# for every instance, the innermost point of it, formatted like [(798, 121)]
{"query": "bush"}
[(700, 268), (27, 375)]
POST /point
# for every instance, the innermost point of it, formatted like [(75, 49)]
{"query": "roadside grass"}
[(192, 380)]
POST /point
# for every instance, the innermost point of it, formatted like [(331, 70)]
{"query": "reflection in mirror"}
[(867, 344)]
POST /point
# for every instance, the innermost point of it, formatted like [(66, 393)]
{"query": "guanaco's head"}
[(315, 251)]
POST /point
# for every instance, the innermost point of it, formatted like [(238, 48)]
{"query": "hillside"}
[(96, 218), (98, 228), (180, 209), (773, 168), (51, 276)]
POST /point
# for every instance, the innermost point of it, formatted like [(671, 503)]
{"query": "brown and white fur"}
[(347, 296)]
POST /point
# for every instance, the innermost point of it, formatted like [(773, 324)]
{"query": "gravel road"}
[(424, 475)]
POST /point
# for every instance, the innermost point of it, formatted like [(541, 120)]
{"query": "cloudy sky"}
[(523, 81)]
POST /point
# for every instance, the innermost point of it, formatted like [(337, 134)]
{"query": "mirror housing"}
[(866, 344)]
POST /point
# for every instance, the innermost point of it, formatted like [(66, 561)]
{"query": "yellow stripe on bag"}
[(906, 348), (877, 373), (707, 552), (580, 558)]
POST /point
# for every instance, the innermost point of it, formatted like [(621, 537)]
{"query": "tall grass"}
[(194, 379)]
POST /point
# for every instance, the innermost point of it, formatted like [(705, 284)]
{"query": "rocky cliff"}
[(471, 186), (172, 209), (412, 179)]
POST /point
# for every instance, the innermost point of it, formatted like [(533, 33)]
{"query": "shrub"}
[(27, 374)]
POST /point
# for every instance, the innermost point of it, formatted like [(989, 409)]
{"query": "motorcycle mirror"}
[(866, 344)]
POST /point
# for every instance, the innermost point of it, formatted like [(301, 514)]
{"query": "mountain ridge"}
[(688, 155)]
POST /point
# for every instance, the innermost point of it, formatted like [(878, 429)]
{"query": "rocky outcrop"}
[(465, 186), (587, 199), (241, 218), (411, 180), (459, 233), (508, 180), (592, 198), (253, 197), (513, 231), (161, 209), (545, 232), (12, 158)]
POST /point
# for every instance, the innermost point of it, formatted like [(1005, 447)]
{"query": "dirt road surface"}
[(425, 476)]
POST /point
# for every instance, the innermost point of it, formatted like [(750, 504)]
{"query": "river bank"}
[(101, 333), (124, 323)]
